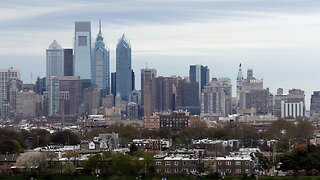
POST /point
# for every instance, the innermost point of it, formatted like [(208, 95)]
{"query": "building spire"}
[(240, 74), (100, 26)]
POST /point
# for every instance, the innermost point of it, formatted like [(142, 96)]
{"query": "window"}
[(176, 170), (184, 162), (247, 162), (158, 163), (168, 163), (247, 170), (176, 163), (238, 171), (219, 162), (238, 163), (82, 41), (168, 171), (228, 163), (228, 171)]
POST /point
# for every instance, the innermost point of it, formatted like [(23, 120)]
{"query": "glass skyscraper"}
[(199, 74), (100, 71), (55, 60), (123, 68), (82, 50)]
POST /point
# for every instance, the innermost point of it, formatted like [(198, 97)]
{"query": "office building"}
[(100, 70), (199, 74), (68, 62), (315, 103), (162, 94), (295, 97), (52, 96), (40, 85), (124, 73), (113, 84), (55, 60), (71, 86), (82, 50)]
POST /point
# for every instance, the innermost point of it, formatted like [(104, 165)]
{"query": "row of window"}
[(177, 170), (168, 163), (238, 163), (238, 171)]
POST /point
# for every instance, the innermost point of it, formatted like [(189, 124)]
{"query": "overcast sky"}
[(279, 39)]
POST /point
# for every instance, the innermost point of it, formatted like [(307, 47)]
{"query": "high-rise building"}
[(68, 62), (13, 87), (113, 84), (213, 99), (100, 70), (146, 76), (52, 96), (91, 100), (70, 85), (162, 94), (55, 60), (124, 82), (5, 76), (199, 74), (82, 50), (315, 103), (27, 102), (187, 97), (239, 82), (40, 85)]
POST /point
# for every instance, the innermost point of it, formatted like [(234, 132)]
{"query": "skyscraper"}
[(55, 60), (315, 103), (100, 71), (199, 74), (5, 76), (68, 62), (123, 68), (146, 76), (82, 50)]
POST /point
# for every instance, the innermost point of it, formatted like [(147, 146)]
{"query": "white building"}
[(292, 109)]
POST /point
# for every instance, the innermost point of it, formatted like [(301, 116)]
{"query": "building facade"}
[(100, 62), (55, 60), (124, 82), (199, 74), (5, 76), (82, 50), (68, 62)]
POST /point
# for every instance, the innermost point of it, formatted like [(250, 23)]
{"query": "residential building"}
[(27, 102), (5, 76), (187, 96)]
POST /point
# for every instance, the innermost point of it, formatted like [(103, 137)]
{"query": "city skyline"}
[(275, 38)]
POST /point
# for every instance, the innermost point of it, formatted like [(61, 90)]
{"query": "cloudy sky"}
[(279, 39)]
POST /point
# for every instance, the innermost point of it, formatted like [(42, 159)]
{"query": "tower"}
[(123, 68), (100, 71), (146, 76), (82, 50), (55, 60), (239, 82), (199, 74)]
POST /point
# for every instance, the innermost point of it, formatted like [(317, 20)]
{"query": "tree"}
[(65, 138)]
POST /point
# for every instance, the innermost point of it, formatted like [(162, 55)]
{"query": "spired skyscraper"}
[(100, 71), (82, 50), (123, 69)]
